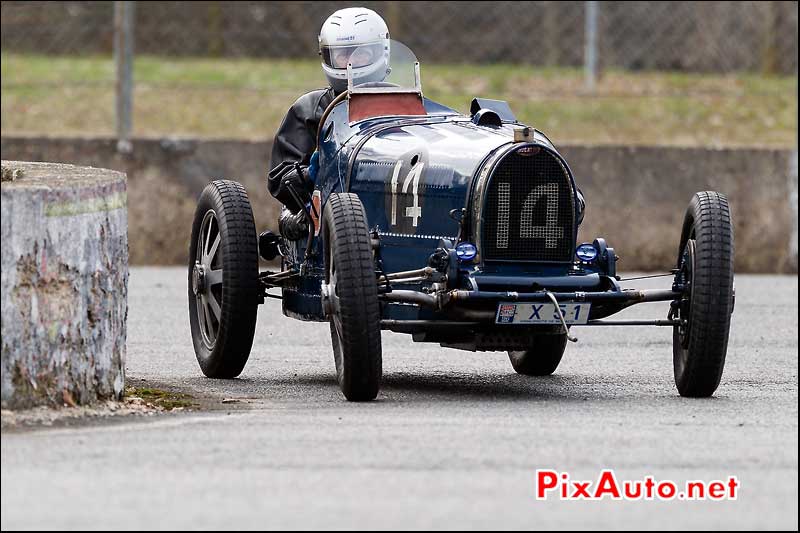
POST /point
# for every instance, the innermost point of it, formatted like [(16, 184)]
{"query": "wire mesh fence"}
[(693, 36), (232, 68)]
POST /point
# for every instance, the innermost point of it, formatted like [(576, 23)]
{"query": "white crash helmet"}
[(350, 30)]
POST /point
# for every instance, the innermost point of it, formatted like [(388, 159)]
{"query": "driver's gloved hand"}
[(294, 175)]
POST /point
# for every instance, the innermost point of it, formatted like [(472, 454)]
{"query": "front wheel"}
[(350, 297), (705, 263), (223, 279)]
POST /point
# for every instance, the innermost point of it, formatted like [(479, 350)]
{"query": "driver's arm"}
[(296, 138), (293, 146)]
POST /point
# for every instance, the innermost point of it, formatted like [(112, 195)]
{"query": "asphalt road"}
[(453, 441)]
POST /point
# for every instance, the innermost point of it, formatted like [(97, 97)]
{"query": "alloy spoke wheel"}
[(207, 279)]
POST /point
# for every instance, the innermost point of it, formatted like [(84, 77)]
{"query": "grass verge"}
[(247, 98)]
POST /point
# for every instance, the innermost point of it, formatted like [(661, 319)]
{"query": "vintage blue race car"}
[(457, 229)]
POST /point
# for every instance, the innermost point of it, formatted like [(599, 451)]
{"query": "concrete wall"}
[(636, 196), (165, 177)]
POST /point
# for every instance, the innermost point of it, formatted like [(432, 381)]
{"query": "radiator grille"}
[(529, 210)]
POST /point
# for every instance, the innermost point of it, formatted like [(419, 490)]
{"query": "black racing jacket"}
[(296, 138)]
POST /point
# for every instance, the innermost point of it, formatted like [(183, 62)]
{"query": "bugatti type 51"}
[(457, 229)]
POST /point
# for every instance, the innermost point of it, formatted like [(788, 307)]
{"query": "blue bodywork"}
[(441, 155)]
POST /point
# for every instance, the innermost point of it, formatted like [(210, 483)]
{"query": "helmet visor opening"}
[(359, 55)]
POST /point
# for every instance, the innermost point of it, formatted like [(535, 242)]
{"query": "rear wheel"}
[(705, 265), (542, 358), (350, 297), (223, 279)]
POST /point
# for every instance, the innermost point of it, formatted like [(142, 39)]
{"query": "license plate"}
[(541, 313)]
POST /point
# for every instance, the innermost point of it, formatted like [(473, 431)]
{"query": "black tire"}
[(705, 260), (223, 324), (542, 358), (353, 297)]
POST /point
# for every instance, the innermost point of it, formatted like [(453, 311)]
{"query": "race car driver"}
[(354, 35)]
